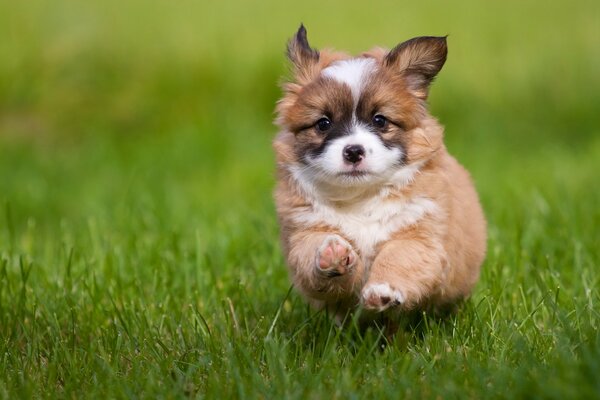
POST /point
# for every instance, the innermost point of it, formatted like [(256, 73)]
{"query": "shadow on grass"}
[(364, 332)]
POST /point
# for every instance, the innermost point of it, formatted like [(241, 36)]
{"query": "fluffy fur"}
[(373, 210)]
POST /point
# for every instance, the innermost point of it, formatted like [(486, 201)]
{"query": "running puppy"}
[(373, 210)]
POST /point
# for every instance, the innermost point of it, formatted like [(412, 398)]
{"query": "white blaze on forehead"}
[(353, 72)]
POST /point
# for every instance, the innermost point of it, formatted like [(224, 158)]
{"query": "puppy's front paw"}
[(380, 296), (335, 257)]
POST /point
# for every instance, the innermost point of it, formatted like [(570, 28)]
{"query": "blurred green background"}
[(136, 175), (198, 80), (130, 93)]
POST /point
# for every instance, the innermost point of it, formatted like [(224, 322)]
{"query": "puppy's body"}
[(373, 210)]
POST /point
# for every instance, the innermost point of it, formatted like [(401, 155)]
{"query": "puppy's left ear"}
[(301, 54), (419, 60)]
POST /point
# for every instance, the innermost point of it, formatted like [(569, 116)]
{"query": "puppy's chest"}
[(369, 223)]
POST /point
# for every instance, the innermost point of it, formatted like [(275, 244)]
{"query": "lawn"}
[(139, 253)]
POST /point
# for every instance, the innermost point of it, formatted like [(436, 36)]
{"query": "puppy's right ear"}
[(302, 55)]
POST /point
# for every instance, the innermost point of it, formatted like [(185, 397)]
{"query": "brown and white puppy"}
[(373, 210)]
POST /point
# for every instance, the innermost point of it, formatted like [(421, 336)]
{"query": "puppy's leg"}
[(405, 273), (324, 266)]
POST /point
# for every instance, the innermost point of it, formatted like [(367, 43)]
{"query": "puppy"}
[(373, 210)]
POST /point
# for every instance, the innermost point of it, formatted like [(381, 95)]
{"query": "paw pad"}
[(335, 257), (380, 296)]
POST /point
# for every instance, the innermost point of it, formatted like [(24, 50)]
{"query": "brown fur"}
[(435, 261)]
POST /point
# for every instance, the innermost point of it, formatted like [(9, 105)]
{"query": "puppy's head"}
[(355, 121)]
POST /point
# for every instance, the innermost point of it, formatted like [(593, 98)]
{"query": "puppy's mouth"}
[(355, 173)]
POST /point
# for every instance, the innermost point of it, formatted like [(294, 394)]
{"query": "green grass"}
[(139, 254)]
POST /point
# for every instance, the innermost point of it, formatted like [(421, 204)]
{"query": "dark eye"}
[(324, 124), (379, 121)]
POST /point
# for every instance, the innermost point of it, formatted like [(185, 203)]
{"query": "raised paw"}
[(335, 257), (380, 296)]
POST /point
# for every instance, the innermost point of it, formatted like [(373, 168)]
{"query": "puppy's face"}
[(357, 121)]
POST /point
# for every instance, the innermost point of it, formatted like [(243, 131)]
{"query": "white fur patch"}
[(377, 160), (406, 175), (367, 222), (312, 185), (353, 72), (382, 290)]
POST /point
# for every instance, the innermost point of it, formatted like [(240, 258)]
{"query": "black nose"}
[(354, 153)]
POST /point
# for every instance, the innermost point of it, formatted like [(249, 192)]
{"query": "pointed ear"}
[(301, 54), (419, 60)]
